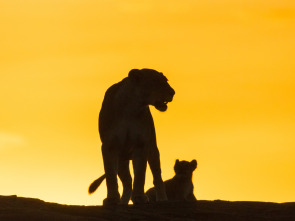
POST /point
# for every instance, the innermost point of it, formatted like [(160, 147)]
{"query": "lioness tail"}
[(95, 184)]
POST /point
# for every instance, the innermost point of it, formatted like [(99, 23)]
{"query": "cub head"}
[(184, 168), (153, 86)]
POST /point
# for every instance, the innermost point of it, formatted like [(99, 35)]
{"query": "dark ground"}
[(18, 208)]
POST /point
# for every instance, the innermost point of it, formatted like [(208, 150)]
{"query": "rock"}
[(18, 208)]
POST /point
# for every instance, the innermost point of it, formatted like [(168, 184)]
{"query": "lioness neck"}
[(131, 98)]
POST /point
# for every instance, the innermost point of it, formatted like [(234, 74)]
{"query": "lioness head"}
[(153, 86), (185, 168)]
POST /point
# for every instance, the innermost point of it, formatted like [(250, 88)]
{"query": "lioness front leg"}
[(125, 177), (139, 162), (110, 160), (155, 165)]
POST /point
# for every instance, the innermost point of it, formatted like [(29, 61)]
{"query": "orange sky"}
[(232, 66)]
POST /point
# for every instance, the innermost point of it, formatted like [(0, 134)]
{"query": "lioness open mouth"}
[(161, 105)]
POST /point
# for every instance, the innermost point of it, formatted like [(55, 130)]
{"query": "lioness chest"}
[(128, 132), (134, 132)]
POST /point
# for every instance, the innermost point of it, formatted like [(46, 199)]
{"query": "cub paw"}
[(141, 199), (162, 199)]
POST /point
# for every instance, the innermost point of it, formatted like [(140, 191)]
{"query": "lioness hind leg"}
[(110, 160), (139, 166), (125, 177), (155, 165)]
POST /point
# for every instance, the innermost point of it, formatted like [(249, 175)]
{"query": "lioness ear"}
[(193, 164), (134, 74)]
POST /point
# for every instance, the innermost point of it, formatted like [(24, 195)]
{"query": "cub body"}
[(180, 187)]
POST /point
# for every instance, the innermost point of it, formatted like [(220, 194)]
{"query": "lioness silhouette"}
[(127, 132)]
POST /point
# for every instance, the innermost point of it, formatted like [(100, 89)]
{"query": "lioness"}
[(180, 187), (127, 132)]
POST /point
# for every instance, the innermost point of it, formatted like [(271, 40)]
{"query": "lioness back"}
[(180, 187)]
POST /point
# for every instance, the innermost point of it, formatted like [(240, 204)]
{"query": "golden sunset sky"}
[(231, 63)]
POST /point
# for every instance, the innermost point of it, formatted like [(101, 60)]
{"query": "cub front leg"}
[(191, 197), (110, 160)]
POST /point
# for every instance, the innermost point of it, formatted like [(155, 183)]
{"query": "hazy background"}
[(232, 64)]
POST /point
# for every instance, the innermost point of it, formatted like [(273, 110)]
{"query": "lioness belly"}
[(129, 135)]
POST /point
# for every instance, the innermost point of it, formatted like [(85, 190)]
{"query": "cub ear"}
[(134, 74), (193, 164), (176, 164)]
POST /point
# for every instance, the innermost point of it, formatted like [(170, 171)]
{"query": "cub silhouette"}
[(180, 187)]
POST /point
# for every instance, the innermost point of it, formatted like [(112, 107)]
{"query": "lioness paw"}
[(111, 201)]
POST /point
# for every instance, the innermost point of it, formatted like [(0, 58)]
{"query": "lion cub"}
[(180, 187)]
